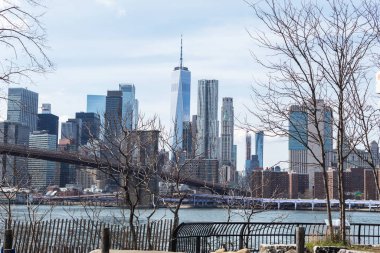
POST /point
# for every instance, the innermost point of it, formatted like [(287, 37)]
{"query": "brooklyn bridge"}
[(87, 161)]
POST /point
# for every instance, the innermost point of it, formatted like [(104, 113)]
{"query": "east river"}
[(117, 215)]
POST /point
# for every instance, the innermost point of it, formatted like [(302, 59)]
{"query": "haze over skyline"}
[(97, 44)]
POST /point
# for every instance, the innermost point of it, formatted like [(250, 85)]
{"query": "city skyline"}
[(144, 52)]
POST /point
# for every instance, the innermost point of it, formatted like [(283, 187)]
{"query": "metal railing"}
[(206, 237)]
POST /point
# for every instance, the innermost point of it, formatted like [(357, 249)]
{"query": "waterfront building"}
[(202, 169), (67, 171), (207, 120), (259, 147), (278, 184), (129, 112), (97, 104), (47, 120), (90, 126), (42, 173), (370, 189), (23, 107), (357, 184), (180, 101), (72, 130), (14, 169), (268, 184)]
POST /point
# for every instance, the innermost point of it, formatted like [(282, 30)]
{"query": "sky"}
[(97, 44)]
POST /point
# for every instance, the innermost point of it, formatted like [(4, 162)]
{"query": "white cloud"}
[(107, 3)]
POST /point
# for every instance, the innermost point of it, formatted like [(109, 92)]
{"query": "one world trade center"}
[(180, 101)]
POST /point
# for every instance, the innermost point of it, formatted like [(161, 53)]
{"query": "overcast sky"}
[(97, 44)]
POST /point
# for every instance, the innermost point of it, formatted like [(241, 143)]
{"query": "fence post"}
[(300, 239), (8, 241), (359, 233), (106, 240), (241, 238), (198, 245)]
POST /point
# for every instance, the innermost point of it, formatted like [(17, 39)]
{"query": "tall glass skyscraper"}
[(180, 100), (207, 121), (97, 104), (259, 147), (113, 113), (130, 106), (305, 153), (23, 107), (298, 139)]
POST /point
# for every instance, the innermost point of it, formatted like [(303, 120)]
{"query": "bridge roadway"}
[(77, 159)]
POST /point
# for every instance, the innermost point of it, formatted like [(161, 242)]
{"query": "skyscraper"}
[(47, 120), (248, 146), (129, 112), (298, 139), (248, 152), (207, 120), (23, 107), (180, 100), (14, 169), (72, 130), (259, 147), (43, 173), (90, 126), (304, 151), (97, 104), (227, 123), (113, 113), (46, 108)]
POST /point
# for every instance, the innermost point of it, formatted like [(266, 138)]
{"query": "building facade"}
[(47, 120), (23, 107), (305, 149), (207, 120), (227, 131), (113, 113), (259, 147), (298, 139), (14, 170), (90, 129), (130, 105), (42, 173), (97, 104), (180, 101), (72, 130)]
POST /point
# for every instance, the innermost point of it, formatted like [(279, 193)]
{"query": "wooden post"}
[(106, 240), (300, 239), (8, 241)]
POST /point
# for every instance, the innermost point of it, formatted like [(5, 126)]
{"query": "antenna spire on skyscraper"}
[(181, 59)]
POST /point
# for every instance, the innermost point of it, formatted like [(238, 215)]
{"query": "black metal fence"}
[(206, 237)]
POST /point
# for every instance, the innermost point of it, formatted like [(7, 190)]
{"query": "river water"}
[(117, 215)]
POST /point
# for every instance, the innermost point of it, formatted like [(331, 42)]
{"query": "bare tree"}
[(317, 50), (22, 41), (128, 164)]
